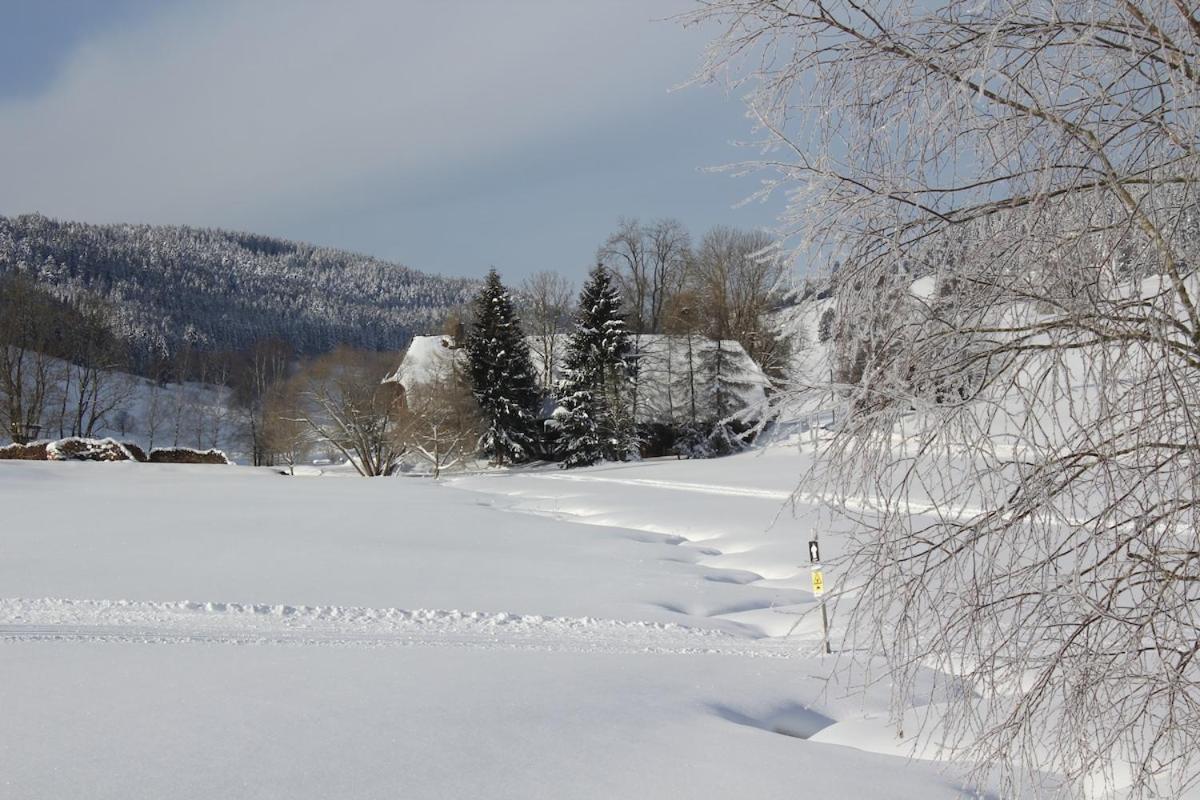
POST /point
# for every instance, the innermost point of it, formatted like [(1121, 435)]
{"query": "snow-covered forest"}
[(161, 289)]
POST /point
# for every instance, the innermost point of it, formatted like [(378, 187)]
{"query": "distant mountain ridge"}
[(164, 287)]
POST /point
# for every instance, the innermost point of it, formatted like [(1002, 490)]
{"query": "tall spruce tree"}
[(594, 417), (723, 380), (502, 376)]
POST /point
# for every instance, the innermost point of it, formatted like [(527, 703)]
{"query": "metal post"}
[(825, 626), (818, 586)]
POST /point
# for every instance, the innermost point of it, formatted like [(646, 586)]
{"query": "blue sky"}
[(449, 137)]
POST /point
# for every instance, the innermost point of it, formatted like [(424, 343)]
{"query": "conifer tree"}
[(593, 415), (722, 380), (502, 376)]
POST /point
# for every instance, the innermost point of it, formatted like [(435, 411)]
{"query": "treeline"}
[(162, 290), (722, 287), (64, 374)]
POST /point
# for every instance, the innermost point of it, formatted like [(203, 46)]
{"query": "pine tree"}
[(723, 386), (593, 416), (502, 376), (718, 380)]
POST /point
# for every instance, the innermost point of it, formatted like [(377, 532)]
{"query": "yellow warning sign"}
[(818, 580)]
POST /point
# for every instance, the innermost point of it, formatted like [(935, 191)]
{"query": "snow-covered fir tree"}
[(722, 379), (502, 376), (594, 418)]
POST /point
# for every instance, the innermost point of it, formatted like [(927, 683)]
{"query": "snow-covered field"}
[(216, 632)]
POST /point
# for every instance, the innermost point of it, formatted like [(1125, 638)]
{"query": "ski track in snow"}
[(128, 621), (41, 619), (850, 502), (656, 483)]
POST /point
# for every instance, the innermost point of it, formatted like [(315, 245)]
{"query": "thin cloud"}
[(221, 113)]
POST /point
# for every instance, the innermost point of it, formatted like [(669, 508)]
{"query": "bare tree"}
[(93, 385), (124, 422), (649, 263), (443, 424), (546, 307), (683, 322), (348, 406), (181, 366), (29, 335), (157, 407), (256, 375), (284, 435), (211, 404), (1009, 188), (736, 274), (457, 322)]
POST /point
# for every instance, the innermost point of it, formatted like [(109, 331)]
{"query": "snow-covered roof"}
[(425, 359)]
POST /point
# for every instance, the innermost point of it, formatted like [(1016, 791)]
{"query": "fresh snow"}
[(199, 632)]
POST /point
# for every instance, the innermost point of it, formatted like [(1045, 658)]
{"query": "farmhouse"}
[(679, 379)]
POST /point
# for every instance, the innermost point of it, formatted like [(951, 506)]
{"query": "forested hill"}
[(162, 287)]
